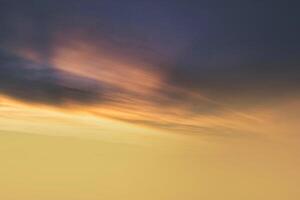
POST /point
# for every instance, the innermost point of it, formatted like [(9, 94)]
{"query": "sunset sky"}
[(137, 99)]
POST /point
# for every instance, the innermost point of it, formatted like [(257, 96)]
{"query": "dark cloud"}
[(30, 82), (233, 52)]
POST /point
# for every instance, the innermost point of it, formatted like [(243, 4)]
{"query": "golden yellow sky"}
[(49, 153)]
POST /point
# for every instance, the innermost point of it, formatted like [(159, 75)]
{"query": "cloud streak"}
[(193, 68)]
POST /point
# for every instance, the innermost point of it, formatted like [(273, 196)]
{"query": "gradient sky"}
[(149, 99)]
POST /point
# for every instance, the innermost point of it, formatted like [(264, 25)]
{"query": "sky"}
[(149, 99)]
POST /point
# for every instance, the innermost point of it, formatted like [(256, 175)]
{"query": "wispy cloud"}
[(172, 67)]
